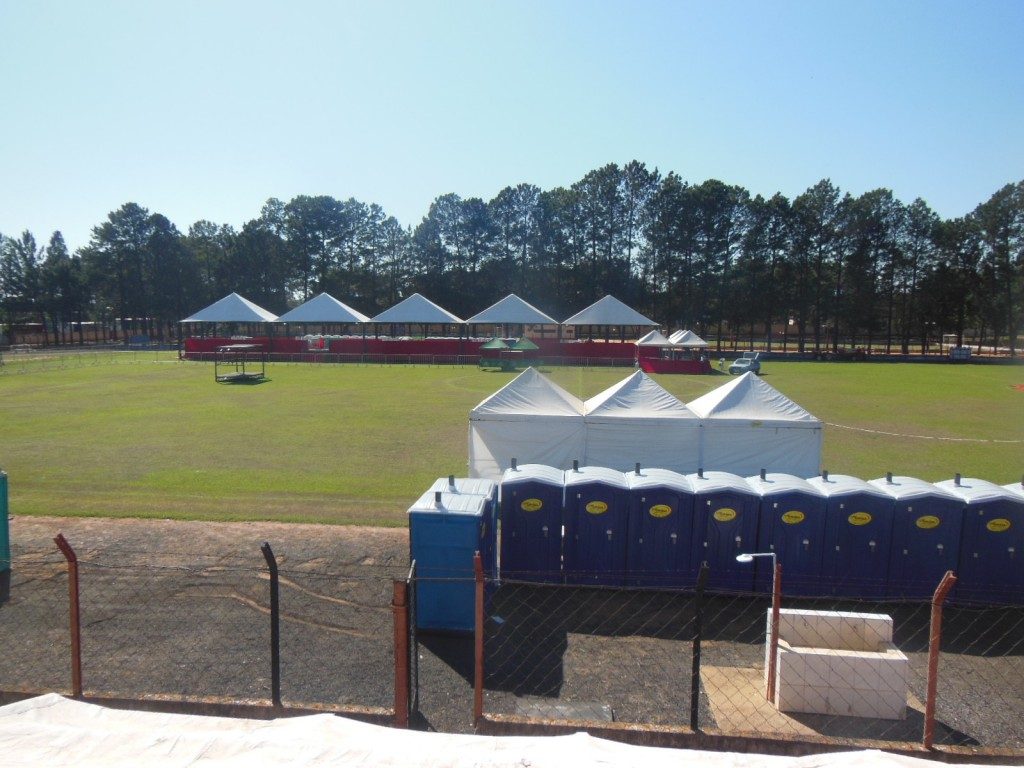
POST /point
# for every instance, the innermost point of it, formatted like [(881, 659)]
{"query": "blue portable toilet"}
[(660, 527), (488, 489), (858, 535), (991, 541), (925, 535), (596, 519), (531, 523), (792, 525), (725, 510), (445, 531)]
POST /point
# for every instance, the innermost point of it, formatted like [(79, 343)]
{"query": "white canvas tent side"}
[(636, 420), (748, 425), (530, 419)]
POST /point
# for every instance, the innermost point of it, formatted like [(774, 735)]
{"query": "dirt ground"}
[(181, 608)]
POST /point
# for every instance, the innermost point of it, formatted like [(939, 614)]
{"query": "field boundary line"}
[(925, 437)]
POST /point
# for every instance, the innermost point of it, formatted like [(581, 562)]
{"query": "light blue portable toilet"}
[(725, 517), (530, 499), (596, 519), (991, 542), (660, 527), (858, 535), (445, 531), (488, 489), (792, 525), (925, 535)]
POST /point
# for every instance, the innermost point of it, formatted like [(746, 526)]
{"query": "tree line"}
[(822, 270)]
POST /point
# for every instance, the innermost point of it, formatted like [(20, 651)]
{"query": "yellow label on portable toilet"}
[(793, 517), (725, 514), (927, 521), (660, 510), (859, 518), (998, 525), (597, 507), (531, 505)]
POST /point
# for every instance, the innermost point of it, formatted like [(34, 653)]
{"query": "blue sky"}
[(205, 109)]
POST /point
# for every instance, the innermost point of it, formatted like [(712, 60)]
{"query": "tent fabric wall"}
[(530, 419), (636, 420), (742, 427), (748, 425)]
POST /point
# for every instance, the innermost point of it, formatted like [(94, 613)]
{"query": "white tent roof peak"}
[(687, 339), (416, 309), (323, 309), (529, 395), (750, 398), (638, 396), (232, 309), (654, 339), (514, 311), (608, 311)]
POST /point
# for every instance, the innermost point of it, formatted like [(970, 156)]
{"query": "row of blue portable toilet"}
[(893, 537)]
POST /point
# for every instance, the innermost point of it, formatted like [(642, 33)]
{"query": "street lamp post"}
[(773, 637)]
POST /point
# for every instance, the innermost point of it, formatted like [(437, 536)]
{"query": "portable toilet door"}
[(991, 542), (725, 512), (925, 535), (531, 523), (858, 535), (596, 514), (445, 531), (792, 525), (660, 526), (488, 490)]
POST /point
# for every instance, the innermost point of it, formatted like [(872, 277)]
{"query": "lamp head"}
[(744, 558)]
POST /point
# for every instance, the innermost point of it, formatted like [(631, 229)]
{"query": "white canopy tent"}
[(636, 420), (749, 425), (530, 419), (511, 310), (654, 339), (232, 309), (323, 309), (609, 311), (417, 309), (687, 339)]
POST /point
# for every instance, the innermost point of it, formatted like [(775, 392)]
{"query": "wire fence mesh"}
[(845, 668), (187, 625)]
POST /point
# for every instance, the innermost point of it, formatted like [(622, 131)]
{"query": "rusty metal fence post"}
[(400, 611), (275, 625), (773, 639), (698, 635), (76, 624), (934, 641), (478, 636)]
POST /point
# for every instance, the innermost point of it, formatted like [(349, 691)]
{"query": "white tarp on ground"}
[(55, 732), (636, 420), (749, 425), (323, 309), (530, 419), (417, 309), (512, 310), (232, 309)]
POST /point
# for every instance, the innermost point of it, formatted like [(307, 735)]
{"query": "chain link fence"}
[(191, 626), (845, 669)]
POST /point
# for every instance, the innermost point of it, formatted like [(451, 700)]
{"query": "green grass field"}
[(153, 437)]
